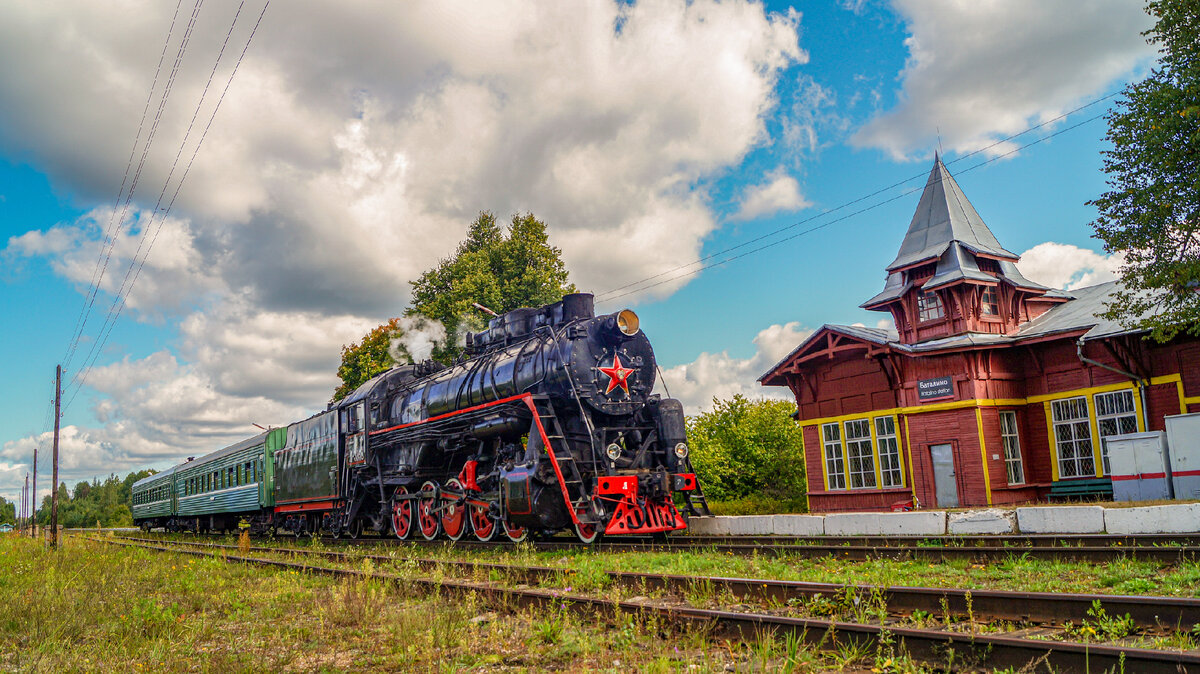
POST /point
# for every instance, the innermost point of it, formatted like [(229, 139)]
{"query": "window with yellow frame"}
[(862, 453)]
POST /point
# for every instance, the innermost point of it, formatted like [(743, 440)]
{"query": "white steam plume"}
[(417, 339)]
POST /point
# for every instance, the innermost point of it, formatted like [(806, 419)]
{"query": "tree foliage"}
[(744, 448), (502, 270), (8, 511), (108, 502), (1151, 213)]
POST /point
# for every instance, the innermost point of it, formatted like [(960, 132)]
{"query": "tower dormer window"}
[(988, 303), (929, 306)]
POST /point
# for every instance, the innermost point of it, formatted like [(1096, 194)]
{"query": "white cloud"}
[(983, 70), (780, 192), (359, 140), (1061, 265), (719, 375), (354, 147)]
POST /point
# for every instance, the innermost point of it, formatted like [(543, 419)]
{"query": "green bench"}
[(1094, 489)]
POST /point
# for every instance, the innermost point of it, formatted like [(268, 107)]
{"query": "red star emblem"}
[(617, 375)]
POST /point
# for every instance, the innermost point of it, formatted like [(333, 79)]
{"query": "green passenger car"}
[(219, 491), (153, 499)]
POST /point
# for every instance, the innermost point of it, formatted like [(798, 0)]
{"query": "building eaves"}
[(875, 335)]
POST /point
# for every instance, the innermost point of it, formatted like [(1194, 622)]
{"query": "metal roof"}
[(1080, 312), (944, 215)]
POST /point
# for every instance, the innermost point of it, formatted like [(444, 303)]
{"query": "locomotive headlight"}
[(627, 322), (681, 450), (613, 451)]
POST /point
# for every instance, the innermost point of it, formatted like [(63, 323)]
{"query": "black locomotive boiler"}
[(547, 424)]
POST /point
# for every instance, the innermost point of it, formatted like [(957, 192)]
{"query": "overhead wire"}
[(94, 284), (111, 242), (613, 293), (608, 297), (119, 303)]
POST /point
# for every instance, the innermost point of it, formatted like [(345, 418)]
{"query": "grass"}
[(1125, 575), (95, 607)]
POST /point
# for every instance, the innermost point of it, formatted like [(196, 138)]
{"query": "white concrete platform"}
[(1061, 520), (1183, 518), (930, 523), (799, 525), (1163, 519), (994, 521)]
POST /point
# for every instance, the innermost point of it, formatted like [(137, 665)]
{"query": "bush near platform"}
[(749, 455)]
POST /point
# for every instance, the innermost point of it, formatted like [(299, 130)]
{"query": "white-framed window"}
[(1115, 415), (1073, 437), (860, 454), (1011, 440), (835, 466), (929, 306), (988, 304), (889, 452)]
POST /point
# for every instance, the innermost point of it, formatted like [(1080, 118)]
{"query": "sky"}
[(201, 204)]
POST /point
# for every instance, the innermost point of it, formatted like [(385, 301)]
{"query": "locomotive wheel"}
[(588, 533), (482, 523), (402, 515), (428, 521), (454, 517), (515, 534), (355, 529)]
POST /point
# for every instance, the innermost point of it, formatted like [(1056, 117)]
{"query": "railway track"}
[(1165, 549), (995, 650)]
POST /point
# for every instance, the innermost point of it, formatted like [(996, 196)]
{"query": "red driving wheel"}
[(482, 523), (454, 517), (515, 534), (402, 514), (428, 520)]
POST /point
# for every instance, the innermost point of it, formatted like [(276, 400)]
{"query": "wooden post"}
[(24, 514), (54, 482), (33, 528)]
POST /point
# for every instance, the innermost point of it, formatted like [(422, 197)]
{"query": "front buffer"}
[(643, 504)]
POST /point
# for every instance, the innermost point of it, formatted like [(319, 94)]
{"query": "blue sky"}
[(357, 141)]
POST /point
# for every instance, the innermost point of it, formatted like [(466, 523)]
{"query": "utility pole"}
[(25, 500), (54, 490), (33, 529)]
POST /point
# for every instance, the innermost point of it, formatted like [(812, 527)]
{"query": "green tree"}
[(1152, 211), (743, 449), (498, 269), (8, 511)]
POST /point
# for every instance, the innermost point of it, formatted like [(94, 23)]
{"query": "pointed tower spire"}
[(945, 215)]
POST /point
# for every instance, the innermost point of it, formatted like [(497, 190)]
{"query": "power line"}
[(123, 289), (608, 297), (612, 293), (94, 284), (111, 242), (119, 304)]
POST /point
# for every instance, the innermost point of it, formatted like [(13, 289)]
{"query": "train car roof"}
[(157, 476), (236, 447)]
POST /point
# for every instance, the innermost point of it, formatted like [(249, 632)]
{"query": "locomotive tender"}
[(548, 423)]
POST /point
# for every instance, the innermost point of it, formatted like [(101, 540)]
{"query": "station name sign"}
[(938, 388)]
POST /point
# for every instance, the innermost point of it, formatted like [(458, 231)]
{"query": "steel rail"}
[(934, 646), (1148, 612)]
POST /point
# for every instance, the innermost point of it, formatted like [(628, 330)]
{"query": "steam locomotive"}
[(547, 424)]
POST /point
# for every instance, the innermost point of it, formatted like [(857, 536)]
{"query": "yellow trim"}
[(1045, 399), (1097, 457), (899, 451), (908, 448), (1053, 444), (875, 452), (987, 478)]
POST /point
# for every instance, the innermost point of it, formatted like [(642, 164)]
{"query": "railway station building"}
[(992, 389)]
